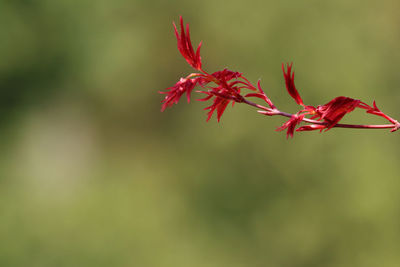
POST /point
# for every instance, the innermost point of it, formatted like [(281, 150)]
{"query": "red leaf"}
[(289, 81)]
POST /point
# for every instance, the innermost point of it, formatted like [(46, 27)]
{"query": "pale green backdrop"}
[(92, 174)]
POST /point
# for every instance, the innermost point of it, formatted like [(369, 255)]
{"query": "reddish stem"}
[(273, 112)]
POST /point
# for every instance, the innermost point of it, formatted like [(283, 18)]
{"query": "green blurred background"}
[(92, 174)]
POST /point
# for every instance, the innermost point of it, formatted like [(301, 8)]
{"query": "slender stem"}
[(339, 125)]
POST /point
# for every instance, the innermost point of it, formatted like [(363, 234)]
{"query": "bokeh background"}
[(92, 174)]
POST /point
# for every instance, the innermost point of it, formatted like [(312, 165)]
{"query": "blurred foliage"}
[(92, 174)]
